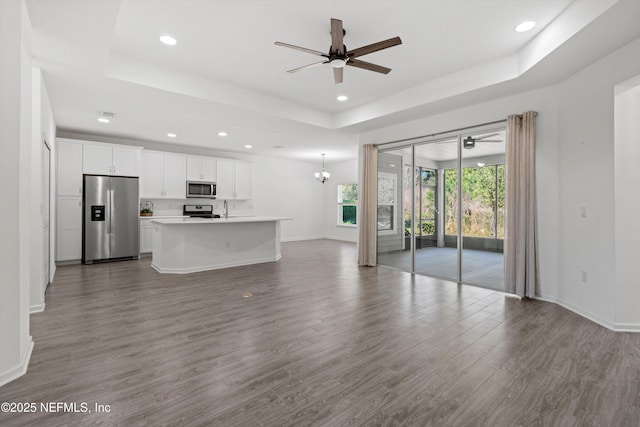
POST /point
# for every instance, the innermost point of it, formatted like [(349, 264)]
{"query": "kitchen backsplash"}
[(162, 207)]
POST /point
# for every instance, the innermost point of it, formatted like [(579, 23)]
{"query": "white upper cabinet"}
[(234, 179), (201, 168), (108, 159), (152, 176), (175, 176), (243, 180), (224, 179), (69, 168), (126, 161), (164, 175)]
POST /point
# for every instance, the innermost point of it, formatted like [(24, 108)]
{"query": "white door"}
[(46, 194)]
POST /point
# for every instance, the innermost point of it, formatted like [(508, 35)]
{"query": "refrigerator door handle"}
[(110, 225)]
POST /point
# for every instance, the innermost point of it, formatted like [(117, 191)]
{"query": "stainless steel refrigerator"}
[(110, 221)]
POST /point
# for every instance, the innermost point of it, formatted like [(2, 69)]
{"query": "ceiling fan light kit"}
[(339, 57), (338, 62)]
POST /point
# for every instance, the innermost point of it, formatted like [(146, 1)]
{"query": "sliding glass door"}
[(441, 208), (483, 157)]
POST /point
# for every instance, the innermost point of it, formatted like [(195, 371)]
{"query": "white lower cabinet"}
[(69, 232), (146, 236)]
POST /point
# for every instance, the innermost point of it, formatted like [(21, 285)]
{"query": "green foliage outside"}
[(426, 185), (349, 215), (348, 193), (479, 194)]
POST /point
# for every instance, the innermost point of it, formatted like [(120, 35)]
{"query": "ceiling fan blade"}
[(304, 49), (368, 66), (337, 34), (364, 50), (490, 140), (304, 67), (337, 75)]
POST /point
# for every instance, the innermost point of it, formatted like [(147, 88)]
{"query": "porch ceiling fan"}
[(470, 142), (339, 56)]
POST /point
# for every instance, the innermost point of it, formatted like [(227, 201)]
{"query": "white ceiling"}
[(225, 73)]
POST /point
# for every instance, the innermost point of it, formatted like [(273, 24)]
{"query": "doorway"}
[(437, 233)]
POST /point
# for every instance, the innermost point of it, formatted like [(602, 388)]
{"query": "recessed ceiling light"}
[(342, 98), (168, 40), (222, 133), (103, 120), (171, 135), (248, 146), (525, 26)]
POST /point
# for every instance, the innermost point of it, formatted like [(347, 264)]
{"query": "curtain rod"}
[(535, 113)]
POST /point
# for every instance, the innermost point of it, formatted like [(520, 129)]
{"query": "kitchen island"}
[(187, 245)]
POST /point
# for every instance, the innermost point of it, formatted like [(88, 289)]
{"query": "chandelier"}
[(324, 175)]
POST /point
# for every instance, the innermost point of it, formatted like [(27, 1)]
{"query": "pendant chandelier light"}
[(324, 175)]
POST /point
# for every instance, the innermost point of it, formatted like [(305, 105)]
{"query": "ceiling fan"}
[(339, 57), (470, 142)]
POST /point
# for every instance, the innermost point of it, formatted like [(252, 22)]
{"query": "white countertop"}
[(231, 219), (162, 216)]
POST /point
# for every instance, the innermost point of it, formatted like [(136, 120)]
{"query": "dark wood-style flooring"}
[(321, 342)]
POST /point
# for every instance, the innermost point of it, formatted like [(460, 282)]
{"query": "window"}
[(347, 204), (386, 203)]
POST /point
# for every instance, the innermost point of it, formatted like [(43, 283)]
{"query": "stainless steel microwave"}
[(201, 190)]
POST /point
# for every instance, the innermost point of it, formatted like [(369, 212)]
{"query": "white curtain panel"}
[(368, 196), (521, 243)]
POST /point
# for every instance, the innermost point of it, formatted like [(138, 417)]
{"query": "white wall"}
[(627, 202), (15, 187), (575, 168), (286, 187), (587, 145), (48, 132), (41, 128), (345, 172)]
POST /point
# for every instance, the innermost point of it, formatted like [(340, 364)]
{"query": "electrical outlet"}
[(584, 276)]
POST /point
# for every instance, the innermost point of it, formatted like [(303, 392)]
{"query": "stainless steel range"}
[(199, 211)]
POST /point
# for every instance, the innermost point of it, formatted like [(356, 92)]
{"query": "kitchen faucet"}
[(226, 209)]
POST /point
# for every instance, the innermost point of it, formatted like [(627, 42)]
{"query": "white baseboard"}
[(617, 327), (21, 369), (299, 239), (39, 308), (342, 239)]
